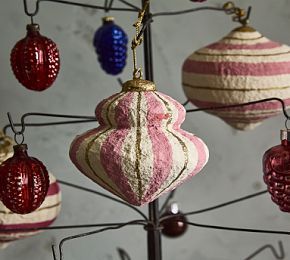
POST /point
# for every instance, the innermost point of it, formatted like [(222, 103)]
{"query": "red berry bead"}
[(24, 181), (35, 60), (276, 167), (176, 225)]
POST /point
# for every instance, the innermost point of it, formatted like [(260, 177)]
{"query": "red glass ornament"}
[(175, 226), (276, 167), (24, 181), (35, 60)]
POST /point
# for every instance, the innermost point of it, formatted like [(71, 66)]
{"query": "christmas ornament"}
[(6, 147), (35, 60), (174, 226), (139, 151), (42, 217), (110, 43), (276, 167), (24, 182), (242, 67)]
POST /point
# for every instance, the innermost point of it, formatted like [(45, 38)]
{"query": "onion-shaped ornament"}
[(42, 217), (139, 151), (276, 167), (24, 182), (110, 42), (35, 60), (176, 225), (242, 67)]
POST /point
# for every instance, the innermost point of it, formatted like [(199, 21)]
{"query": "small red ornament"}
[(35, 60), (276, 167), (175, 226), (24, 181)]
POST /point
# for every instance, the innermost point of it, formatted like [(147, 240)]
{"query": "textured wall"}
[(234, 168)]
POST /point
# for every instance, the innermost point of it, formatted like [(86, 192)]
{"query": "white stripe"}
[(236, 82)]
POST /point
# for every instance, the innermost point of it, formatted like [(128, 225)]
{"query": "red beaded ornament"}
[(24, 181), (35, 60), (276, 167), (175, 226)]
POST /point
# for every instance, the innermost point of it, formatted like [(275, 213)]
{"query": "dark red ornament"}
[(175, 226), (24, 181), (35, 60), (276, 167)]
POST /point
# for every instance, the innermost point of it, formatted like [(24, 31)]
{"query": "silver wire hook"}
[(31, 15), (16, 133)]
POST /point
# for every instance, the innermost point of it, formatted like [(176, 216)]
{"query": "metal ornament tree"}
[(152, 223)]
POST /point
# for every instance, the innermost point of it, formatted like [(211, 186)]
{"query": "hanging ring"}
[(16, 133), (137, 74), (19, 141)]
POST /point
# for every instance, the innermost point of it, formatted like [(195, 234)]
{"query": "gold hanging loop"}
[(239, 15), (137, 72)]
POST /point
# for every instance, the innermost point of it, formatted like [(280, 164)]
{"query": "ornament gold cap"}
[(32, 27), (285, 134), (107, 19), (138, 85), (244, 28)]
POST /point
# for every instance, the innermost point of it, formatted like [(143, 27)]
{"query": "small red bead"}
[(24, 182), (276, 168), (176, 225), (35, 60)]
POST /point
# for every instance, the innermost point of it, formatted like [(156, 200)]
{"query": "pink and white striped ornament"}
[(42, 217), (139, 151), (242, 67)]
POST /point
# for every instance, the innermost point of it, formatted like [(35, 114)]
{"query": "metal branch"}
[(249, 230), (120, 225), (103, 195), (275, 252), (243, 104)]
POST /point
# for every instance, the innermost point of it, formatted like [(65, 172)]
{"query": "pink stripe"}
[(257, 46), (53, 189), (162, 150), (236, 68), (25, 225), (111, 149), (75, 147), (271, 105), (199, 144)]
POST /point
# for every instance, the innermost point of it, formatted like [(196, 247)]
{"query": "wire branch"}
[(103, 195)]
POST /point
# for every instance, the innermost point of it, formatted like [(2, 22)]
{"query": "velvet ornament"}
[(242, 67), (139, 151), (42, 217)]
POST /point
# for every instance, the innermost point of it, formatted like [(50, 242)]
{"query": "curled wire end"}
[(123, 254)]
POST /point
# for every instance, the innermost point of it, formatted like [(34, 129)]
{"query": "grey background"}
[(234, 168)]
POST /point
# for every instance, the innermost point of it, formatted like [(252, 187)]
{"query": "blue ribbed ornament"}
[(110, 43)]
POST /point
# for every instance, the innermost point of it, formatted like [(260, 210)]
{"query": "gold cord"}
[(240, 15), (137, 72)]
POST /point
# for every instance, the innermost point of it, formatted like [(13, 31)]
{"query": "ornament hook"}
[(240, 15), (16, 133), (31, 15)]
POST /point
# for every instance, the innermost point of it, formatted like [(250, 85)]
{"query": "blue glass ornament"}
[(110, 43)]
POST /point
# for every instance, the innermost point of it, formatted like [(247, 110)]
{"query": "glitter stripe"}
[(90, 144), (241, 39), (183, 145), (234, 89), (237, 54), (40, 209), (138, 146)]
